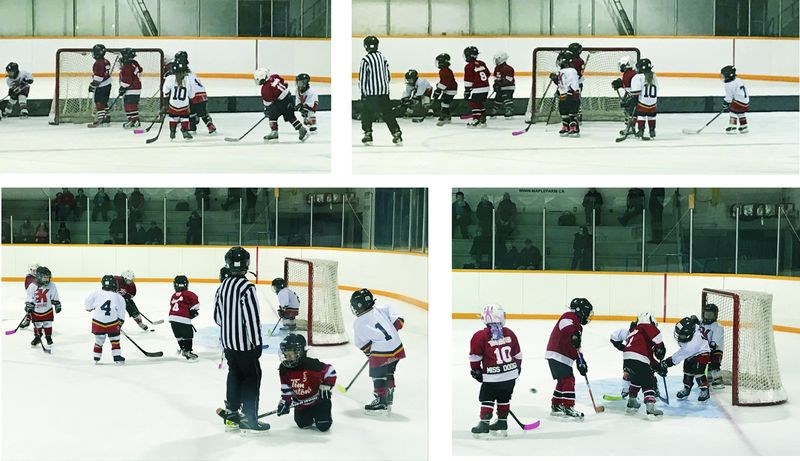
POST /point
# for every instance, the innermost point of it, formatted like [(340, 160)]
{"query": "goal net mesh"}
[(73, 103), (598, 100), (316, 283), (749, 361)]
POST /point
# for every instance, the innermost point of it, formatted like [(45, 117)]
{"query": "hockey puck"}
[(139, 131), (533, 390)]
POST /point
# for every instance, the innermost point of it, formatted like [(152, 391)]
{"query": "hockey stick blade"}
[(525, 427), (613, 398), (344, 390), (147, 354), (11, 332), (233, 139), (157, 322), (688, 131)]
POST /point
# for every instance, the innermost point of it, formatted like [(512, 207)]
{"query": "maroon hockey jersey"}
[(560, 347), (447, 81), (28, 280), (274, 89), (504, 76), (476, 76), (578, 64), (627, 77), (641, 342), (302, 382), (180, 306), (101, 72), (127, 290), (499, 360), (129, 77)]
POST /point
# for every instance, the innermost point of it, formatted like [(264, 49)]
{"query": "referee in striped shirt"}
[(373, 79), (236, 312)]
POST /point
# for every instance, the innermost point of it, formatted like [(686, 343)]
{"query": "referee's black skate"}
[(397, 138), (367, 139), (254, 427)]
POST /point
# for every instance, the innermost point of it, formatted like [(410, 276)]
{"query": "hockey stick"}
[(525, 427), (11, 332), (148, 354), (613, 398), (248, 131), (533, 114), (597, 408), (157, 322), (629, 125), (687, 131), (344, 390), (666, 391), (276, 326), (221, 358), (160, 127), (141, 131)]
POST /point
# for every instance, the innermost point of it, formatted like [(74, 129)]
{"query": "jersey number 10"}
[(503, 354), (179, 93)]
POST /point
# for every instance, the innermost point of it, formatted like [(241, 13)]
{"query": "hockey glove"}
[(576, 340), (618, 345), (496, 87), (29, 308), (13, 92), (324, 392), (616, 84), (283, 407), (712, 345), (662, 368), (583, 368), (92, 87), (57, 306), (554, 77), (437, 93), (467, 94), (193, 313), (477, 375), (266, 111), (122, 90), (726, 106)]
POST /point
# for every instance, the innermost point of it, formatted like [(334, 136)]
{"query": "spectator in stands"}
[(656, 210), (634, 205), (251, 196), (26, 231), (155, 236), (484, 214), (63, 235), (194, 229), (234, 195), (119, 203), (481, 250), (100, 204), (69, 200), (139, 234), (203, 196), (462, 215), (42, 234), (59, 207), (80, 204), (592, 201), (530, 257), (136, 205), (506, 216), (117, 228), (510, 259), (6, 232), (582, 250)]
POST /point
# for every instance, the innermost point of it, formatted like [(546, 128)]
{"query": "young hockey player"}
[(693, 350), (562, 350), (736, 101), (183, 307), (179, 90), (108, 315), (643, 350), (495, 362), (579, 65), (288, 304), (126, 287), (278, 102), (569, 94), (375, 332), (41, 300), (130, 87), (476, 85), (416, 99), (618, 339), (446, 89), (627, 102), (198, 103), (19, 86), (306, 384), (308, 103), (504, 85), (100, 85), (713, 332), (644, 88), (30, 278)]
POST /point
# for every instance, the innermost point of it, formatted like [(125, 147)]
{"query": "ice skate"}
[(652, 411), (571, 414), (119, 360), (303, 134), (704, 395), (717, 383), (742, 129), (25, 323), (211, 128), (272, 136), (557, 410), (23, 114), (443, 121), (49, 340), (377, 407), (574, 130), (186, 134), (37, 339), (189, 355), (499, 428), (397, 138), (564, 131), (481, 430), (131, 124), (231, 418), (652, 133), (731, 129), (639, 132), (172, 133), (142, 326), (254, 428), (389, 399), (645, 136), (633, 405), (683, 393)]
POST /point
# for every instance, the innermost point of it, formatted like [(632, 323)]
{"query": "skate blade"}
[(382, 413), (230, 426), (651, 417), (252, 433), (631, 411), (482, 436), (499, 434)]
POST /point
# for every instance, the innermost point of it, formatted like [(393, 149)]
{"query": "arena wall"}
[(402, 276), (614, 295)]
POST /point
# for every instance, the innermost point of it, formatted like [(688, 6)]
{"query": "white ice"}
[(62, 406), (687, 428)]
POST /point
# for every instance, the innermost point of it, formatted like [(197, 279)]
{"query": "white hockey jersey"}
[(288, 298), (568, 81), (713, 333), (736, 91), (646, 92), (376, 334), (620, 335), (106, 306), (309, 99), (420, 89), (24, 78), (42, 298), (179, 95), (696, 346)]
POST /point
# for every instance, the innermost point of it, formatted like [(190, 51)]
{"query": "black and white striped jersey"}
[(373, 75), (236, 312)]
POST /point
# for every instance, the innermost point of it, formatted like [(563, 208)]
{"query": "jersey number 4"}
[(106, 307), (503, 354), (175, 303)]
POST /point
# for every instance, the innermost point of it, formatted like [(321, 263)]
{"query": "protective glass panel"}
[(530, 18), (608, 19), (714, 247), (369, 16), (450, 17), (568, 238), (294, 217), (17, 17), (316, 18), (618, 240), (218, 18), (418, 221), (285, 18), (695, 18), (408, 17), (490, 17), (327, 223), (95, 17), (179, 17), (758, 233), (665, 250), (184, 215), (789, 18), (357, 218), (574, 17), (22, 215), (133, 18), (731, 17), (789, 263), (51, 17), (223, 218), (258, 221), (655, 17), (402, 204)]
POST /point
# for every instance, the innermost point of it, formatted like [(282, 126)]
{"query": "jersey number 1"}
[(386, 335)]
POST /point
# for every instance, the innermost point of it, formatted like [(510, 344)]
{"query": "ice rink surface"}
[(688, 427), (62, 406)]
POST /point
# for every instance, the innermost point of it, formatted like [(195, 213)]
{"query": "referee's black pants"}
[(244, 381), (373, 105)]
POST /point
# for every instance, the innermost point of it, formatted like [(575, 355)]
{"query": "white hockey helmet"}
[(128, 275), (32, 268), (624, 63), (500, 57), (493, 313), (645, 317), (261, 75)]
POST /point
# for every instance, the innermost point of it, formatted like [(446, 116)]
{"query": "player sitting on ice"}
[(30, 278), (130, 87), (179, 89), (108, 315), (375, 332), (643, 350), (644, 87), (618, 339), (288, 304), (278, 102), (503, 86), (41, 300), (713, 332), (306, 384), (476, 85), (126, 287), (198, 103), (19, 86), (446, 89), (627, 102), (569, 94), (100, 85), (416, 99), (562, 349), (183, 307), (736, 101), (694, 351), (495, 361), (308, 103)]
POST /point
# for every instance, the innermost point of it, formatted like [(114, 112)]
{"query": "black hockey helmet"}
[(728, 73), (237, 259), (710, 314), (644, 66), (684, 329), (583, 308), (180, 283), (361, 301), (182, 56), (127, 55), (98, 51), (12, 70), (371, 43), (575, 48), (293, 350), (109, 283), (43, 276), (470, 53), (564, 59), (412, 76), (302, 82), (224, 273), (443, 60), (180, 67), (278, 284)]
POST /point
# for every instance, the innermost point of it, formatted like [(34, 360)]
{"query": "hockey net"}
[(316, 283), (749, 361), (73, 103), (598, 100)]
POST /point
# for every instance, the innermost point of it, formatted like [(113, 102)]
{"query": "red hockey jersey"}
[(129, 77), (560, 347), (641, 342), (302, 382), (499, 360), (578, 64), (447, 81), (101, 72), (180, 306), (274, 89), (504, 76), (476, 76), (28, 280), (127, 290), (627, 76)]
